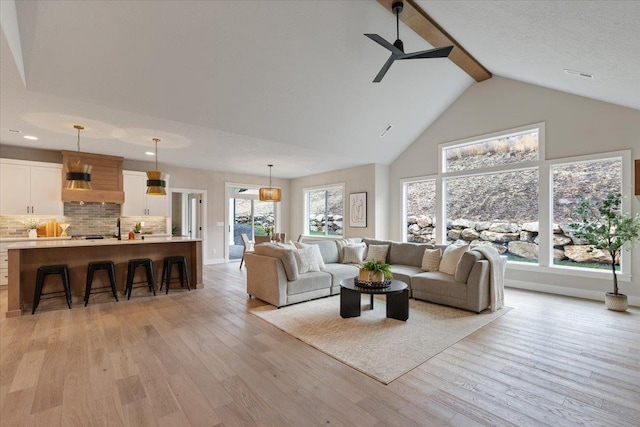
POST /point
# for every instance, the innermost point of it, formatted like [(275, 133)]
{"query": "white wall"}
[(574, 126), (357, 179)]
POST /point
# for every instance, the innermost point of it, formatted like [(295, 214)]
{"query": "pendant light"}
[(78, 175), (156, 180), (270, 194)]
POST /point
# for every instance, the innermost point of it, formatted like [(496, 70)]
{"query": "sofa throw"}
[(352, 254), (431, 259), (496, 276), (377, 253), (450, 258)]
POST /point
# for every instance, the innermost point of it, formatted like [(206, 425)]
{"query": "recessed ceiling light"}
[(149, 153), (32, 138), (385, 130), (579, 74)]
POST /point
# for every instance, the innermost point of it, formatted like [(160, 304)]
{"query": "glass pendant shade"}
[(270, 194), (78, 174), (156, 180)]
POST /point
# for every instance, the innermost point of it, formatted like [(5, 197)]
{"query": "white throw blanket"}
[(496, 276)]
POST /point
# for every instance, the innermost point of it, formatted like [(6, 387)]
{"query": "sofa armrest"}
[(266, 279), (478, 286)]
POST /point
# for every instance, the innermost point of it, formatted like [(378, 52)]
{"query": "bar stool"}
[(181, 263), (92, 268), (41, 275), (131, 271)]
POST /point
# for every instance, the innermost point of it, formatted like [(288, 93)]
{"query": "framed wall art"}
[(358, 210)]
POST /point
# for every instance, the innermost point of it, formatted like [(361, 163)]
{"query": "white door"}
[(14, 190)]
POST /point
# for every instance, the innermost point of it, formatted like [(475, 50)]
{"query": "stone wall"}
[(519, 240), (318, 222)]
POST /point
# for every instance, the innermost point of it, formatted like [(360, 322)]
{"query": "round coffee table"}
[(397, 298)]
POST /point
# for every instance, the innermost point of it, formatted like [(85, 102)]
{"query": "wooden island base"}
[(25, 258)]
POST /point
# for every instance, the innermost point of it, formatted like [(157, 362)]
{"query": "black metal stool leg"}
[(87, 288), (66, 285), (112, 280), (38, 293), (168, 278)]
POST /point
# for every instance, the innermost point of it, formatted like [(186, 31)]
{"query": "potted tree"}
[(375, 272), (605, 227)]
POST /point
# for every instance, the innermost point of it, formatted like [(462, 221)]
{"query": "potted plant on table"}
[(375, 272), (605, 227)]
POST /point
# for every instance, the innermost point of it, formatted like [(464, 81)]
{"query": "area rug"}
[(381, 348)]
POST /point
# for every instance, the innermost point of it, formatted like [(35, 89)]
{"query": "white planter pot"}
[(616, 302), (33, 233)]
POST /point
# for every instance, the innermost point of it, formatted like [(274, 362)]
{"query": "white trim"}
[(567, 291), (305, 213), (203, 213), (403, 192), (561, 270)]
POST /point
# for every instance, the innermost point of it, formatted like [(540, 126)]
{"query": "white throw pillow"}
[(377, 253), (341, 244), (431, 259), (306, 260), (317, 253), (352, 254), (450, 258)]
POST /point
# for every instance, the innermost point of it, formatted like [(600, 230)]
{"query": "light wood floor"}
[(198, 358)]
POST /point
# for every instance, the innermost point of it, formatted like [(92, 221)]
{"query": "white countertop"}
[(26, 239), (68, 243)]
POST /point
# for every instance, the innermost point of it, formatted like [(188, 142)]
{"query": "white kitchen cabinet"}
[(136, 200), (30, 188)]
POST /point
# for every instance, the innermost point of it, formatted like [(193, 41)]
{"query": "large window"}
[(324, 211), (420, 211), (592, 180), (491, 193), (500, 190)]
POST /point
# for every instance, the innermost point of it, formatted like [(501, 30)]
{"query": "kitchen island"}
[(25, 258)]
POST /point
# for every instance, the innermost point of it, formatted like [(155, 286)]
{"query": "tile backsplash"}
[(85, 219)]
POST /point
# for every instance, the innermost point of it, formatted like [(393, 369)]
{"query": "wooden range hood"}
[(106, 178)]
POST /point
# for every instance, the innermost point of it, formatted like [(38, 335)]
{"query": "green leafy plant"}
[(31, 223), (605, 227), (138, 227), (378, 267)]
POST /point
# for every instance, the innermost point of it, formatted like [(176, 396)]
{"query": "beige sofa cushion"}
[(285, 255), (463, 269), (450, 258), (431, 259), (377, 253), (306, 259), (317, 254), (352, 254)]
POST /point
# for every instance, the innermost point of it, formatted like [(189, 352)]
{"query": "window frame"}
[(545, 198), (305, 192)]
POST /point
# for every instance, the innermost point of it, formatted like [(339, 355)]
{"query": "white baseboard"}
[(562, 290)]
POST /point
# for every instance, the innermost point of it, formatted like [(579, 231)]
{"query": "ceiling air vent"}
[(385, 130), (579, 74)]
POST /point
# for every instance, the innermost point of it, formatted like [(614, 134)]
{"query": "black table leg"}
[(349, 303), (371, 304), (398, 305)]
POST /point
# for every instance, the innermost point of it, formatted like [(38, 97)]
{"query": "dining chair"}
[(262, 239), (248, 246)]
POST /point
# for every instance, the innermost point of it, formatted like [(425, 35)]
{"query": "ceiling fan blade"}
[(382, 42), (441, 52), (384, 69)]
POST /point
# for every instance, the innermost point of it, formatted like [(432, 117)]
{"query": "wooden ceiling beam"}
[(418, 20)]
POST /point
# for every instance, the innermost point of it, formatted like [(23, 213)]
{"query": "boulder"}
[(558, 240), (504, 227), (530, 226), (526, 236), (556, 229), (460, 224), (499, 237), (424, 221), (558, 254), (412, 219), (454, 234), (585, 253), (524, 249), (414, 229), (469, 234), (482, 225)]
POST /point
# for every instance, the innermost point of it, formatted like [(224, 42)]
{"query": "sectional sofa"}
[(273, 275)]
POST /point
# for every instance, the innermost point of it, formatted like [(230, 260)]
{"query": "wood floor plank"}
[(200, 359)]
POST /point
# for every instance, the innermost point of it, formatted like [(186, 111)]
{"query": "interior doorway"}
[(246, 214), (188, 219)]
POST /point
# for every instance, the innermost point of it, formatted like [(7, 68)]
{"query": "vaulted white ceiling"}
[(235, 85)]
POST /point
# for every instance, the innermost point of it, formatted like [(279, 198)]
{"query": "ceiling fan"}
[(397, 48)]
